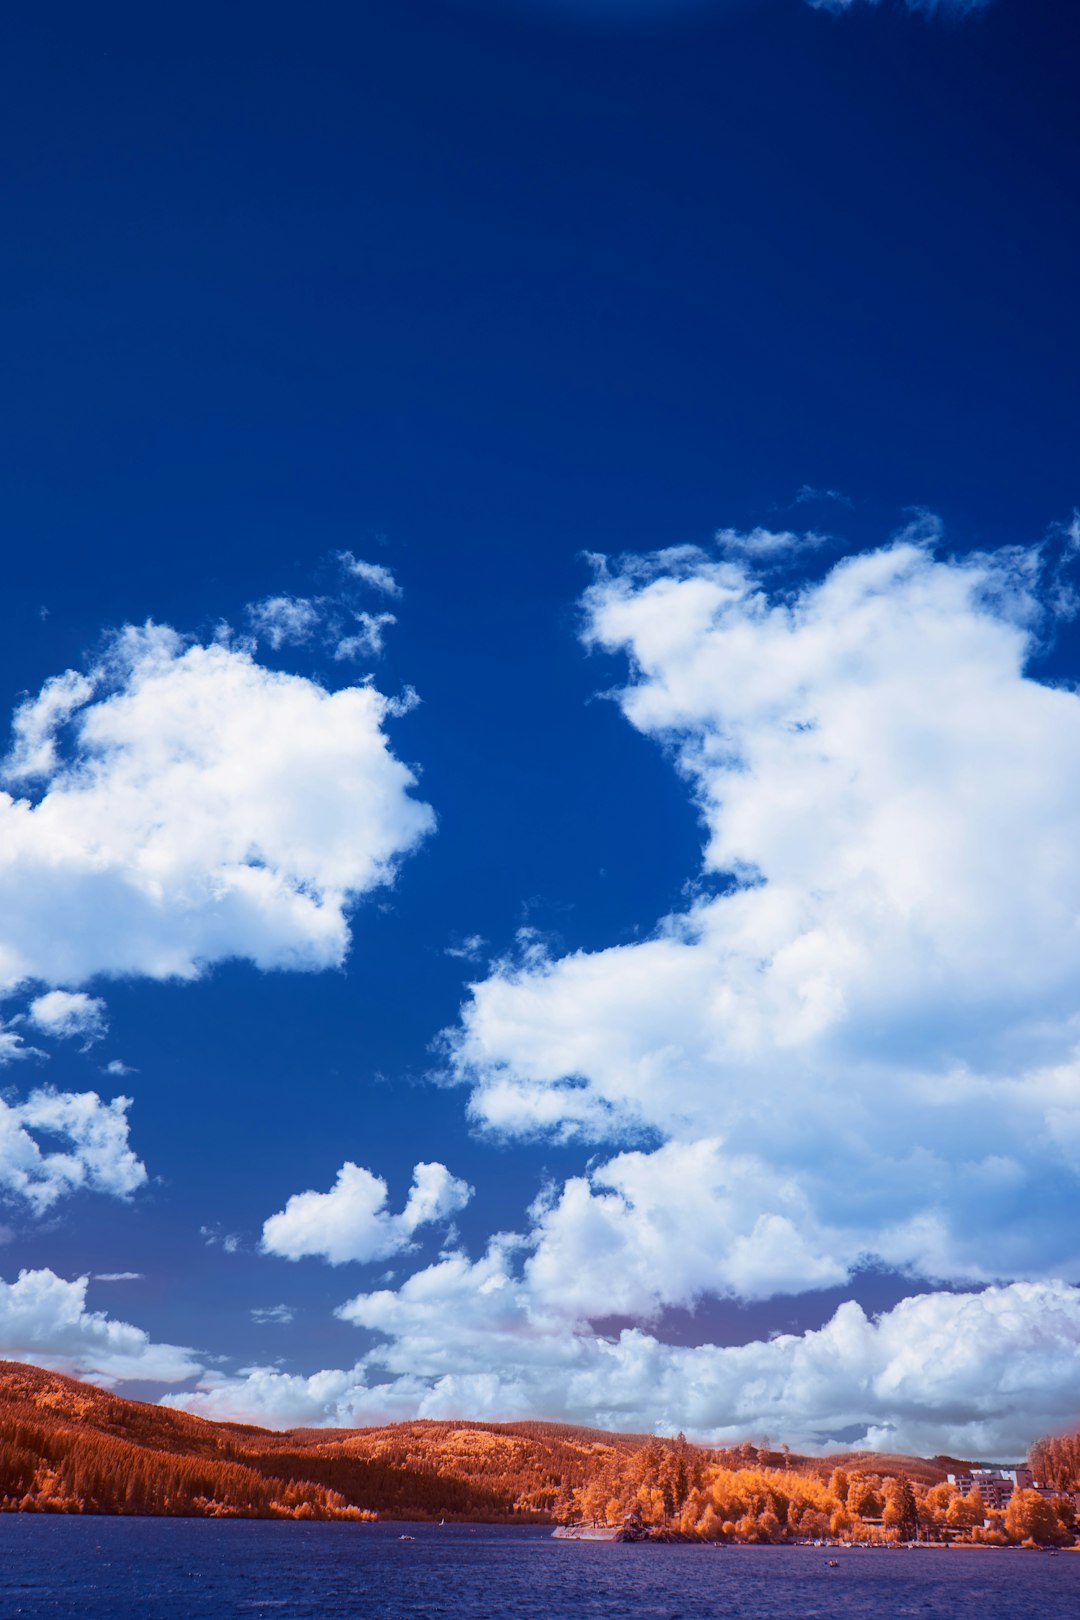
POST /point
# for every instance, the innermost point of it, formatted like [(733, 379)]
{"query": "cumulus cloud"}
[(352, 1221), (859, 1040), (644, 1231), (44, 1320), (94, 1153), (191, 806), (975, 1375), (379, 577), (864, 1040), (277, 1400), (69, 1015)]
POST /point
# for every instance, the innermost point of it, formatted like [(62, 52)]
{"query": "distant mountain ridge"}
[(70, 1447)]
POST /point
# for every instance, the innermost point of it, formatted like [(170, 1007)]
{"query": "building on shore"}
[(996, 1486)]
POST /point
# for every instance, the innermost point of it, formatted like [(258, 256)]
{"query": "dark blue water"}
[(113, 1569)]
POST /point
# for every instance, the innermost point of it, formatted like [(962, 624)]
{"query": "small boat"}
[(833, 1563), (406, 1538)]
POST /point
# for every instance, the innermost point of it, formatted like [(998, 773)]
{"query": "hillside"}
[(66, 1446)]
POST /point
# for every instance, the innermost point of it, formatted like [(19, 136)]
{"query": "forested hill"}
[(66, 1446)]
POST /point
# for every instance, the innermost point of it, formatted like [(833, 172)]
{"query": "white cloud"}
[(281, 1315), (369, 640), (352, 1221), (284, 620), (214, 1237), (345, 633), (44, 1320), (863, 1043), (763, 545), (975, 1375), (649, 1230), (118, 1276), (68, 1015), (95, 1155), (271, 1398), (118, 1067), (379, 577), (867, 1042), (808, 492), (38, 721), (12, 1045), (195, 807)]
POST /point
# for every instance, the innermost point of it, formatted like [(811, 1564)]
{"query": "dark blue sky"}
[(471, 289)]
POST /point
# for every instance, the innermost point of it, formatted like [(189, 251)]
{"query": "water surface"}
[(120, 1569)]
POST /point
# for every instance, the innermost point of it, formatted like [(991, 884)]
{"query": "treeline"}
[(1057, 1462), (681, 1490), (53, 1469)]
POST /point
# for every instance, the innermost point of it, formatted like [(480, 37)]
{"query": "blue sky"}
[(341, 347)]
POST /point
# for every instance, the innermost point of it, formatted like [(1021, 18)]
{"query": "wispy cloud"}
[(336, 622), (470, 948), (12, 1046), (809, 493), (376, 575), (284, 620), (766, 545), (959, 8), (367, 639), (216, 1237), (281, 1315)]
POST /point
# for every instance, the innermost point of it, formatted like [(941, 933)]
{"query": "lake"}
[(113, 1569)]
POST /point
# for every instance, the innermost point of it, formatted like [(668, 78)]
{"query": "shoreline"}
[(541, 1532)]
